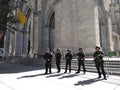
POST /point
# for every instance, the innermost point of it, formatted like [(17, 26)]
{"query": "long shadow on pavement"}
[(55, 75), (86, 82), (68, 76), (30, 76)]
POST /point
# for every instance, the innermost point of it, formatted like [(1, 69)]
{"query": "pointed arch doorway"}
[(51, 32)]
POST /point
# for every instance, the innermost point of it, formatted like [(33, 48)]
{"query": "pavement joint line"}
[(59, 83), (109, 80), (116, 87), (7, 85)]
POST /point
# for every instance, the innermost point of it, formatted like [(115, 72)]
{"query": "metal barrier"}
[(112, 65)]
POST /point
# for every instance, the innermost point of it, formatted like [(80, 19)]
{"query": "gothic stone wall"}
[(77, 24)]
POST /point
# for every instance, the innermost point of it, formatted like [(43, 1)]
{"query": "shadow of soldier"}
[(86, 82), (68, 76), (55, 75), (30, 76)]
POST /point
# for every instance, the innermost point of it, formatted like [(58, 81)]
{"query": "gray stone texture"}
[(66, 24), (77, 25)]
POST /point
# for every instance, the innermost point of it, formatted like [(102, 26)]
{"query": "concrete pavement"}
[(20, 77)]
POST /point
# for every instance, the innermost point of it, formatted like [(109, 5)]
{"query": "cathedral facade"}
[(67, 24)]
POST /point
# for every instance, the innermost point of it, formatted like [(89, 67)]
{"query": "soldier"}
[(99, 63), (68, 57), (48, 60), (58, 57), (81, 59)]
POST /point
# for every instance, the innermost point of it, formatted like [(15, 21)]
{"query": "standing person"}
[(81, 59), (58, 57), (48, 60), (68, 58), (99, 63)]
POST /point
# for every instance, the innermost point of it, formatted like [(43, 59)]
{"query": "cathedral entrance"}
[(51, 33)]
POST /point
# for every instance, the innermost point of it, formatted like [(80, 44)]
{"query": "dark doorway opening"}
[(1, 40), (52, 31)]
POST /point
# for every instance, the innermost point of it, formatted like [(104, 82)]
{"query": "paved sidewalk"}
[(19, 77)]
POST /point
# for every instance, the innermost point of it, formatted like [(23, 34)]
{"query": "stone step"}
[(112, 67)]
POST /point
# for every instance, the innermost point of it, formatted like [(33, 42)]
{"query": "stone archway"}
[(51, 33), (49, 36), (26, 34)]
